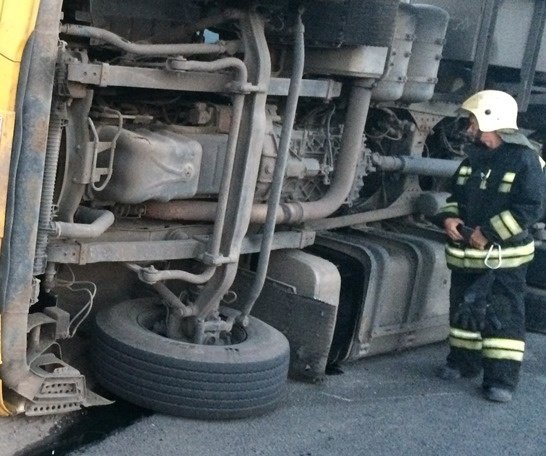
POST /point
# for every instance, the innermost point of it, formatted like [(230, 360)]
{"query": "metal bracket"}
[(216, 260), (63, 389)]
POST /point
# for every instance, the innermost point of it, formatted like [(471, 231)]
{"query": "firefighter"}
[(497, 194)]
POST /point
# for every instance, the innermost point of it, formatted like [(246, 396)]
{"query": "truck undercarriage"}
[(175, 160)]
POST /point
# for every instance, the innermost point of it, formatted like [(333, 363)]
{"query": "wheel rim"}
[(154, 321)]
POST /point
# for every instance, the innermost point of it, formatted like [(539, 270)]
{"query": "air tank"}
[(427, 49), (391, 86)]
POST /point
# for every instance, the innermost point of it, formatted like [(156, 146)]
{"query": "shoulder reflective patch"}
[(507, 181), (464, 174)]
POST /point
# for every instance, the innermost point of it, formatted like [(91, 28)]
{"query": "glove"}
[(476, 313), (471, 313)]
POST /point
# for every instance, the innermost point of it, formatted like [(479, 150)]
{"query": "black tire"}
[(184, 379), (535, 309)]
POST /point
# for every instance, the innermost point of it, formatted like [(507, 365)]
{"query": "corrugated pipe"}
[(149, 49), (54, 136), (94, 223), (350, 154)]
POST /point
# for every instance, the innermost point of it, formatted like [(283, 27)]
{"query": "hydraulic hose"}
[(148, 49)]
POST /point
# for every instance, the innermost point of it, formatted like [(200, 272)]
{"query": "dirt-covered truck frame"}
[(201, 196)]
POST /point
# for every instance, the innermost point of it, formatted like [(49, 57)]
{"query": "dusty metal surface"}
[(81, 252), (404, 296)]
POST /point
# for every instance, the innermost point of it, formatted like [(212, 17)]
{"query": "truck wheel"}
[(180, 378)]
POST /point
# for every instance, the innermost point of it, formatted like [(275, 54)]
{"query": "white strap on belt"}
[(488, 257)]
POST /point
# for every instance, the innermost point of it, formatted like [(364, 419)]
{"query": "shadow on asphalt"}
[(89, 426)]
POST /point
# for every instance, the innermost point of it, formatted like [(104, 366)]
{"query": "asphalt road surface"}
[(387, 405)]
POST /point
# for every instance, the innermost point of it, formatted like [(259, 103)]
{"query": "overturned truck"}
[(209, 194)]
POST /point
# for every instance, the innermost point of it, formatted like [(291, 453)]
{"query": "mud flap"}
[(307, 323)]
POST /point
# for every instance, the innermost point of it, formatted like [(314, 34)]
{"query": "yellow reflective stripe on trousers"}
[(467, 344), (498, 348), (508, 344), (497, 353), (461, 338), (463, 334)]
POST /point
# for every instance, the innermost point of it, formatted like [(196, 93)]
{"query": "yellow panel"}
[(17, 20), (7, 120)]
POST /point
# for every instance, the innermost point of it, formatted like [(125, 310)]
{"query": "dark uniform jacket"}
[(502, 191)]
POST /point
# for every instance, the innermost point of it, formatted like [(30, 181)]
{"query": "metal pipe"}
[(54, 136), (416, 165), (349, 156), (95, 223), (172, 300), (238, 104), (151, 275), (148, 49), (246, 166), (280, 168), (396, 210)]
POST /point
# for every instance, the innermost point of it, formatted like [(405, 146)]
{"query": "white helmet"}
[(493, 109)]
